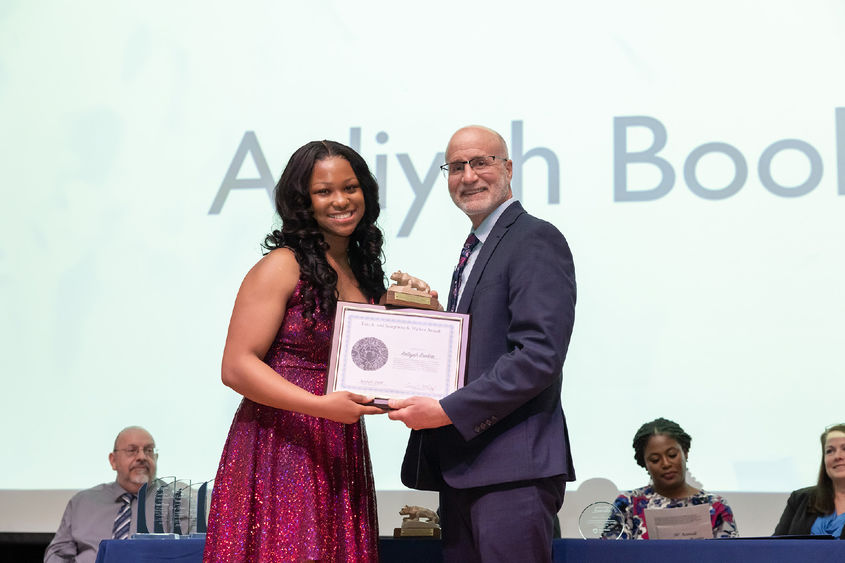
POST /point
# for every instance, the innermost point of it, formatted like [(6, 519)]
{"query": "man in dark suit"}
[(497, 449)]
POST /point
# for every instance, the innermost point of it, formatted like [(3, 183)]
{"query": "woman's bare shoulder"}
[(278, 269)]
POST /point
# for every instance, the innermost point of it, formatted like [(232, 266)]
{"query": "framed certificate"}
[(397, 353)]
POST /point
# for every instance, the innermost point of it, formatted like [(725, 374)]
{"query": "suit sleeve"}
[(62, 547), (539, 286), (782, 529)]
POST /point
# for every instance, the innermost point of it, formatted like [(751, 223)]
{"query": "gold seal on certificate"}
[(396, 353)]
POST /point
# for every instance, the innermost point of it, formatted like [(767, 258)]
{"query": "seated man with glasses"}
[(107, 511)]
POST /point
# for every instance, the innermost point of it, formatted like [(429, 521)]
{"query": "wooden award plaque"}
[(404, 296)]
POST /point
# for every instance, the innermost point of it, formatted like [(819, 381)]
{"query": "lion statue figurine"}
[(405, 280), (414, 513)]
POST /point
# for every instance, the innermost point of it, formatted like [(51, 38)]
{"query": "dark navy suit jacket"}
[(508, 423)]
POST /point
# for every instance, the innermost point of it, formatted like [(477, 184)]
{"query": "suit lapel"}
[(501, 227)]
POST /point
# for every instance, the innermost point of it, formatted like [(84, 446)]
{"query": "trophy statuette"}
[(409, 291), (419, 522)]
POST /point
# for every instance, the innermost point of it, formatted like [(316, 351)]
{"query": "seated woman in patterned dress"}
[(661, 447)]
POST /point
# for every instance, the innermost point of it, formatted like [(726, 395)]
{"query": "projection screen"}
[(693, 155)]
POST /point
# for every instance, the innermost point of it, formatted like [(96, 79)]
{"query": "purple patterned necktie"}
[(470, 243)]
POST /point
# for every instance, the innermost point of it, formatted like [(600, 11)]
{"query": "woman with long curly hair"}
[(295, 481)]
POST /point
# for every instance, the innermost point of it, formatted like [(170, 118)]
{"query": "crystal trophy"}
[(176, 508), (203, 496), (157, 498), (601, 520), (182, 497), (163, 507), (142, 510)]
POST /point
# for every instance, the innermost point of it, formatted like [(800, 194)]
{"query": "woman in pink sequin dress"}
[(294, 481)]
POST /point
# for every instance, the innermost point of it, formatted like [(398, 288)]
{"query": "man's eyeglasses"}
[(479, 164), (149, 451)]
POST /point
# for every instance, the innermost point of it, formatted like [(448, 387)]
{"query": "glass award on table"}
[(190, 507), (163, 506), (203, 496), (141, 516), (157, 499), (183, 507), (601, 520)]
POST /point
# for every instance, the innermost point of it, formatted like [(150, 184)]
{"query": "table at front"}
[(564, 551)]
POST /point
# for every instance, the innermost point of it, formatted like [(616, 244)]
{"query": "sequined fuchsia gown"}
[(292, 487)]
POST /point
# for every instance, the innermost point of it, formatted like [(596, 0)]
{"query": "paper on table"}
[(680, 523)]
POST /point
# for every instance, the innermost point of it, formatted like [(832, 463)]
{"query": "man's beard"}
[(141, 475)]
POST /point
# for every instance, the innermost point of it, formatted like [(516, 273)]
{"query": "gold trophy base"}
[(409, 297), (416, 533)]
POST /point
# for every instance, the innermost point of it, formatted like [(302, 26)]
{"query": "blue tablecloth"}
[(565, 551), (723, 551), (149, 551)]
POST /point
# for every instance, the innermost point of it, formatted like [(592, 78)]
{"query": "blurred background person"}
[(109, 510), (662, 447), (820, 510)]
